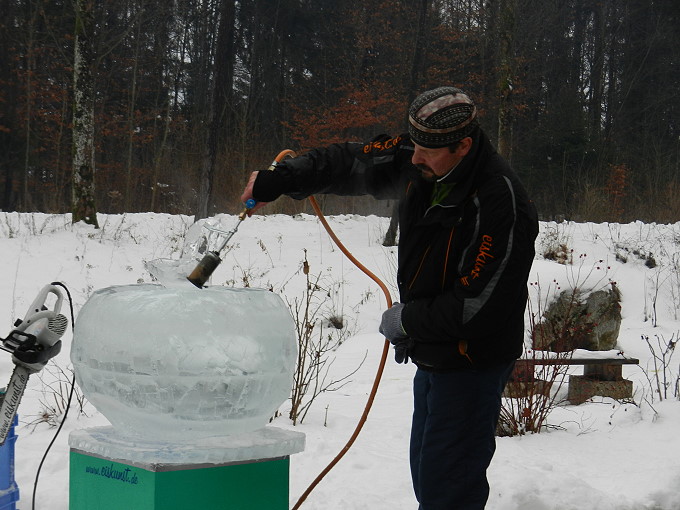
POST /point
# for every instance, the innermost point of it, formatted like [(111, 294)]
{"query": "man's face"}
[(436, 163)]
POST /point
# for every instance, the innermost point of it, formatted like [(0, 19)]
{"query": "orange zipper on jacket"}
[(420, 266), (446, 257)]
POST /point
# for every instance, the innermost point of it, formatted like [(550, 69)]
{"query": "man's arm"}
[(348, 169)]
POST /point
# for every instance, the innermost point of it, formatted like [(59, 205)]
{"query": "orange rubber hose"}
[(383, 357)]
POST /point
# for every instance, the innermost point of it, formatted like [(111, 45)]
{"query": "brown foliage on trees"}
[(616, 188), (354, 115), (562, 87)]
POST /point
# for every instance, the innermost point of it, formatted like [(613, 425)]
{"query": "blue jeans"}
[(453, 435)]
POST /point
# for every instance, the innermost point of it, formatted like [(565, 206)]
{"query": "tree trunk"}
[(506, 30), (167, 93), (83, 200), (8, 157), (391, 234), (132, 106), (25, 201), (597, 75), (417, 64), (217, 106), (158, 157)]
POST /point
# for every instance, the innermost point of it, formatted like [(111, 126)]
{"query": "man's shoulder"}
[(386, 143), (393, 152), (497, 173)]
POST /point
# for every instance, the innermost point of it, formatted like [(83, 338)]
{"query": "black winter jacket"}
[(463, 262)]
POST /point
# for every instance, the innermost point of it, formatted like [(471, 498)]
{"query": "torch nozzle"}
[(204, 269)]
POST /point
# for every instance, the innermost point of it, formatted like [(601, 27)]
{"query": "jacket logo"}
[(381, 146), (482, 258)]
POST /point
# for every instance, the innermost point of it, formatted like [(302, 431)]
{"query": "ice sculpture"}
[(176, 363)]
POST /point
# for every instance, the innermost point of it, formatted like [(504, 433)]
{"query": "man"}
[(467, 232)]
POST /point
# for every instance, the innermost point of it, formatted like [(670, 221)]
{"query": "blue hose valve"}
[(250, 203)]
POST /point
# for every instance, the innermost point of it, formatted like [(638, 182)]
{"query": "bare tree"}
[(417, 65), (506, 30), (83, 205), (219, 94)]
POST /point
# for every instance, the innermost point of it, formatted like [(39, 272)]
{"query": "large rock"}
[(580, 320)]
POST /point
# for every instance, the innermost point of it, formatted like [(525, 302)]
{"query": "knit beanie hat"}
[(441, 117)]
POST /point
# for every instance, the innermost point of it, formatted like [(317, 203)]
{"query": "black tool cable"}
[(68, 402)]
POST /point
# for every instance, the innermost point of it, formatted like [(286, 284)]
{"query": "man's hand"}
[(248, 194), (402, 349), (390, 325)]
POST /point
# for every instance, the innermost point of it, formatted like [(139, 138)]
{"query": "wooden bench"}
[(601, 376)]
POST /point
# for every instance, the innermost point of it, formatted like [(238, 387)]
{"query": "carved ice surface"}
[(176, 363), (265, 443), (171, 272), (201, 237)]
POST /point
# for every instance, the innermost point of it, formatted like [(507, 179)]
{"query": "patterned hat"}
[(441, 117)]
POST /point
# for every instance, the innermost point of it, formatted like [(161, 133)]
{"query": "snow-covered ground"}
[(601, 455)]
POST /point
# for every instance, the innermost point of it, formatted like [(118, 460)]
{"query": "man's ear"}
[(464, 146)]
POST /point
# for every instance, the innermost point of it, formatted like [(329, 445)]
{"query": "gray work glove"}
[(391, 327)]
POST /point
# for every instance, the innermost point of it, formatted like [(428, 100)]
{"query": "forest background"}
[(167, 106)]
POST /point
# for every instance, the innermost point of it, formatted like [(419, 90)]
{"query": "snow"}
[(599, 455)]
